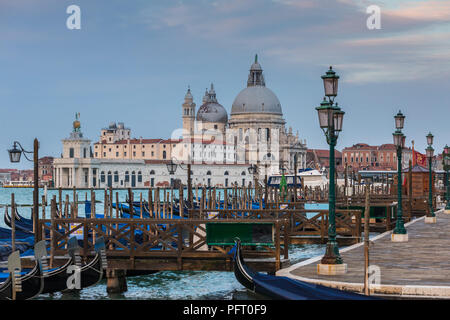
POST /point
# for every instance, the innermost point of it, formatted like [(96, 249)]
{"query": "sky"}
[(133, 60)]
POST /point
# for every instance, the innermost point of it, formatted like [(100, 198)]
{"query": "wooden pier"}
[(417, 268)]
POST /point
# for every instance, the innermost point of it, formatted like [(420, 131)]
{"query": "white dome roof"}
[(256, 99)]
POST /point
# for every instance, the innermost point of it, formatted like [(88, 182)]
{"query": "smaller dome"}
[(212, 112)]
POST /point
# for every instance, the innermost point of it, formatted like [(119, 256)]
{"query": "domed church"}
[(256, 126)]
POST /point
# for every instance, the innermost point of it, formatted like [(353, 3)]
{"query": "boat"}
[(91, 273), (19, 184), (21, 224), (313, 177), (30, 284), (275, 180), (284, 288), (56, 279)]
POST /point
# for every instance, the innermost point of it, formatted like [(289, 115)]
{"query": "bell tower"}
[(188, 115)]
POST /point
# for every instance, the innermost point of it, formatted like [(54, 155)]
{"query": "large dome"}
[(256, 99), (212, 112)]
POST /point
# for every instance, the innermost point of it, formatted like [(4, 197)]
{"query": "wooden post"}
[(150, 202), (43, 207), (140, 204), (60, 202), (52, 234), (366, 242), (277, 246), (13, 223)]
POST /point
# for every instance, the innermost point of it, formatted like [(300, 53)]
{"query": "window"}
[(153, 153), (143, 153), (208, 173), (139, 179), (116, 176), (102, 176), (134, 153), (164, 154), (71, 153), (104, 154), (243, 173), (226, 173), (152, 172), (127, 176), (125, 154), (96, 154), (84, 153), (117, 154)]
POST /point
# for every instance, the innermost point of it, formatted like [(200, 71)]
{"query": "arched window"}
[(116, 176), (102, 176), (127, 176), (164, 154), (226, 173), (139, 176), (152, 171), (243, 173), (208, 173)]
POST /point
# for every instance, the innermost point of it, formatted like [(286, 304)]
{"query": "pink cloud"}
[(432, 10)]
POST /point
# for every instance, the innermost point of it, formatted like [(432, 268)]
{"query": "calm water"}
[(162, 285)]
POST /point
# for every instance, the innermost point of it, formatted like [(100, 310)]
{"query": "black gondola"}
[(284, 288), (91, 273), (20, 225), (31, 283)]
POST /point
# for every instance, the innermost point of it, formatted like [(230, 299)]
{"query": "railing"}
[(152, 238), (348, 222)]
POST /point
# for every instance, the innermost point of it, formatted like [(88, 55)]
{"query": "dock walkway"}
[(417, 268)]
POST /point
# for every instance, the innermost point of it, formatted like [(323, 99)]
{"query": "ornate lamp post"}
[(14, 157), (431, 218), (330, 121), (399, 234), (172, 168), (446, 163), (254, 170)]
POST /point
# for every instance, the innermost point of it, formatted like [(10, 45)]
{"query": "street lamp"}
[(254, 170), (429, 152), (172, 168), (399, 234), (446, 163), (14, 157), (330, 120)]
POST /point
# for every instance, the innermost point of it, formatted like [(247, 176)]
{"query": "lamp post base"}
[(430, 219), (399, 237), (331, 269)]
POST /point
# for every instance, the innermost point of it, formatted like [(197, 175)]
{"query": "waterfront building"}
[(361, 156), (45, 171), (219, 148)]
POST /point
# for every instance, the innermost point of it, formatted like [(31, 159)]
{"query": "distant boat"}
[(18, 184), (274, 181), (313, 178)]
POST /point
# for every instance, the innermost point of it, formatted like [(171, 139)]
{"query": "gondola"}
[(92, 273), (284, 288), (20, 225), (56, 279), (31, 283)]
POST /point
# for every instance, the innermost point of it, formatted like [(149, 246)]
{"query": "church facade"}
[(219, 147)]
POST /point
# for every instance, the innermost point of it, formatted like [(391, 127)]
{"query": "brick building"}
[(361, 156), (45, 171)]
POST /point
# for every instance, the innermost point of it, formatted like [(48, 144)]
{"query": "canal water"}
[(164, 285)]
